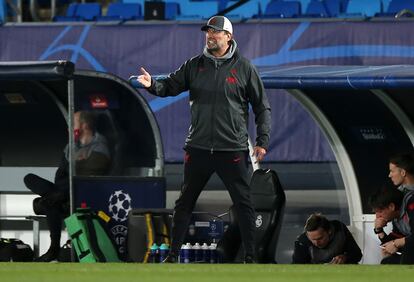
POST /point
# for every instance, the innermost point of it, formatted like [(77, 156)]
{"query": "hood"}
[(228, 55)]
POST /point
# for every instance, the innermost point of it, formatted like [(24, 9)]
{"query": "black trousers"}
[(53, 198), (232, 168), (408, 252)]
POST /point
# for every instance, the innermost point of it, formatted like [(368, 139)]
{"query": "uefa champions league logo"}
[(259, 221), (119, 205)]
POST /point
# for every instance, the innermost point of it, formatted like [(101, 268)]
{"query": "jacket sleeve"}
[(409, 240), (301, 253), (352, 251), (261, 108), (396, 233), (173, 84)]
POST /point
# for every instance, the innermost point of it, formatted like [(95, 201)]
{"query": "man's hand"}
[(380, 222), (259, 153), (391, 247), (144, 78), (341, 259)]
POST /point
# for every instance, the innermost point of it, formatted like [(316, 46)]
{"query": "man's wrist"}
[(378, 230)]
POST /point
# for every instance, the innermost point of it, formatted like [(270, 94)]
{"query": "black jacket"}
[(341, 243), (220, 93), (403, 226)]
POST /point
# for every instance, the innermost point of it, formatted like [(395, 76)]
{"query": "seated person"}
[(325, 241), (392, 205), (401, 167), (92, 158)]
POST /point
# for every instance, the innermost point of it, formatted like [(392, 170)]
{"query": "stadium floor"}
[(57, 272)]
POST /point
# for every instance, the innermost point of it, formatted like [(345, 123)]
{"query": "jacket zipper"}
[(213, 109)]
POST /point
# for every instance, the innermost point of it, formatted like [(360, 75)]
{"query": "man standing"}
[(325, 241), (222, 84), (92, 158), (392, 205)]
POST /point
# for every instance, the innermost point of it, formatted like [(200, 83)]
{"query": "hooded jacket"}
[(220, 91), (341, 242), (91, 159), (403, 225)]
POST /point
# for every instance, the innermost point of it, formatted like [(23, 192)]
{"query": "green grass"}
[(126, 272)]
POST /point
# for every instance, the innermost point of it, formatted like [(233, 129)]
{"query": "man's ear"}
[(403, 172), (229, 36), (391, 206)]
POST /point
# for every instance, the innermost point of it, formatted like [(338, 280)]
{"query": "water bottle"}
[(181, 256), (205, 253), (164, 250), (186, 253), (154, 254), (196, 250), (213, 252)]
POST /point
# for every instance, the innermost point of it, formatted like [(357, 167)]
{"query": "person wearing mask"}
[(92, 158)]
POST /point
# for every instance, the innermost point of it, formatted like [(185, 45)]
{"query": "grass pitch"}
[(125, 272)]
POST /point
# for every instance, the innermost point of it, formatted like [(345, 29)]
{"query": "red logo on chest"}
[(236, 160), (231, 80)]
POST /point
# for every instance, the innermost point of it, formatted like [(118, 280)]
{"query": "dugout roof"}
[(34, 103), (366, 113)]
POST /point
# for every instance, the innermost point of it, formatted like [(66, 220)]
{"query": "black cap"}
[(219, 23)]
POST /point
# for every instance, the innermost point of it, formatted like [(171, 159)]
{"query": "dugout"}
[(366, 114), (37, 101), (34, 117)]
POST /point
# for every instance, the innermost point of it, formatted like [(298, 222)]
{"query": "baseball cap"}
[(219, 23)]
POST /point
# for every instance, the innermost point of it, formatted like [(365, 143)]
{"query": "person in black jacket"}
[(393, 205), (325, 241), (221, 86), (92, 158)]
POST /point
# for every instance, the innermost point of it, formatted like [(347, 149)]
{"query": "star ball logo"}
[(119, 205), (259, 221)]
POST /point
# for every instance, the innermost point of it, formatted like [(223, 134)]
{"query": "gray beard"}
[(213, 49)]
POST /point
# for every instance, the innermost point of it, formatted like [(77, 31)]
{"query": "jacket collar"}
[(232, 50)]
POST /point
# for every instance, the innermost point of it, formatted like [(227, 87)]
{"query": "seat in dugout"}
[(268, 200), (108, 127)]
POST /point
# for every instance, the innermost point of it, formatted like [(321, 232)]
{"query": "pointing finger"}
[(144, 71)]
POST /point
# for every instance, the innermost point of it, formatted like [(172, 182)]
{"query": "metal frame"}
[(159, 161), (401, 116), (342, 157), (71, 108)]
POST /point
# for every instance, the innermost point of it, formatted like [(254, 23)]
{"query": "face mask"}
[(76, 135)]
